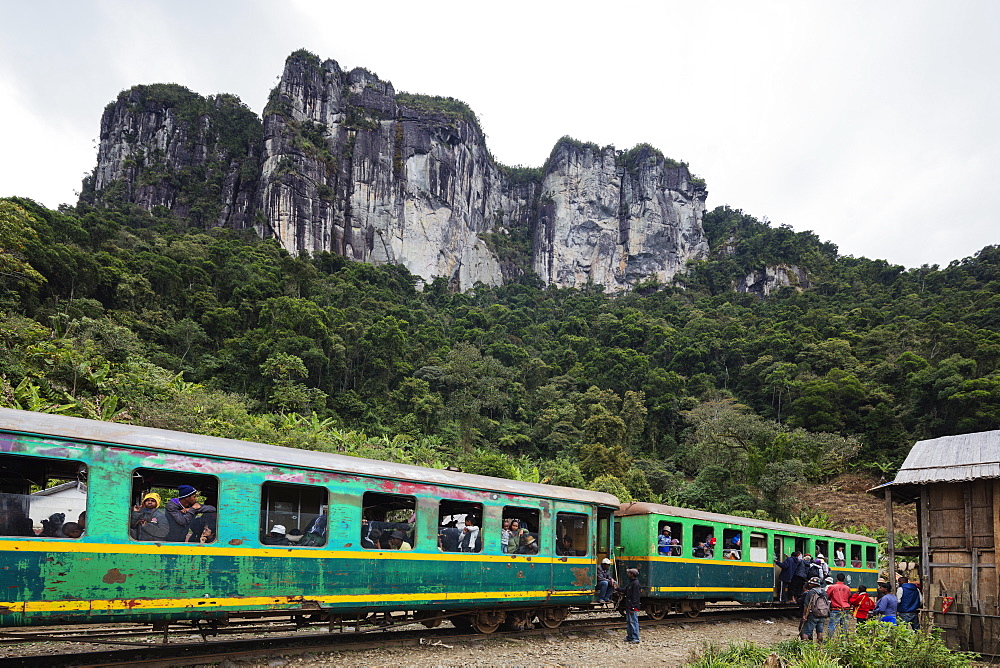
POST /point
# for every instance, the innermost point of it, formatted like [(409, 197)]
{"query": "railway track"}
[(137, 648)]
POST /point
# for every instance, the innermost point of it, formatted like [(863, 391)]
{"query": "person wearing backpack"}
[(815, 611)]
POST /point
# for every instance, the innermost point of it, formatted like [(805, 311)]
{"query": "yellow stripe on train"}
[(111, 605)]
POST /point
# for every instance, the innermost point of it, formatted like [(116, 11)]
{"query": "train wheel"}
[(488, 621), (518, 620), (551, 618), (657, 610), (694, 608)]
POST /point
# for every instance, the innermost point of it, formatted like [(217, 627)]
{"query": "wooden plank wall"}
[(959, 526)]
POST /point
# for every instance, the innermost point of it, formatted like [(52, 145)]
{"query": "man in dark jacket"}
[(181, 510), (605, 581), (909, 602), (633, 599), (799, 577), (787, 567)]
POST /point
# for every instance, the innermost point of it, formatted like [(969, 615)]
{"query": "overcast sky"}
[(875, 124)]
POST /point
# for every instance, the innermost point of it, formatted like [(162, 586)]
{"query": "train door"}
[(783, 548), (604, 534)]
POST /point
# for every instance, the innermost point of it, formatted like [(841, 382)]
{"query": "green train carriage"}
[(724, 558), (107, 574)]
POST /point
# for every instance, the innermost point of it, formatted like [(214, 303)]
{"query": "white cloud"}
[(871, 123)]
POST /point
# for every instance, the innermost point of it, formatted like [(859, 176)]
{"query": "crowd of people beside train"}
[(828, 603)]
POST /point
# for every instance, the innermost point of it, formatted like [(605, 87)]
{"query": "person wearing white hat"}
[(276, 537), (605, 583)]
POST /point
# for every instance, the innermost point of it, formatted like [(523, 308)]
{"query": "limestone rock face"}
[(762, 282), (163, 145), (342, 163), (351, 169), (614, 218)]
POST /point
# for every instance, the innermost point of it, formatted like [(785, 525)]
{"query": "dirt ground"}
[(671, 645), (846, 501)]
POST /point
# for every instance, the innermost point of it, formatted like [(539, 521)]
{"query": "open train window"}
[(668, 538), (732, 544), (839, 557), (823, 550), (173, 506), (42, 498), (460, 526), (293, 515), (758, 548), (855, 556), (388, 521), (703, 541), (870, 556), (571, 535), (524, 524)]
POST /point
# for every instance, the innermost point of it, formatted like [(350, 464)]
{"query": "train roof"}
[(149, 438), (627, 509)]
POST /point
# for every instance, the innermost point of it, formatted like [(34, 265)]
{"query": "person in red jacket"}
[(862, 604)]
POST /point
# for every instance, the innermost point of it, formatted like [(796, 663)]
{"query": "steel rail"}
[(157, 656)]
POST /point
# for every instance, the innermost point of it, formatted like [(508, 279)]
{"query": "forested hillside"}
[(690, 393)]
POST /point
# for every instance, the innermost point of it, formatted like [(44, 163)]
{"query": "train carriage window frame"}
[(839, 560), (529, 524), (39, 494), (758, 547), (855, 555), (729, 550), (455, 534), (676, 534), (146, 527), (302, 514), (702, 533), (383, 513), (871, 555), (577, 527), (823, 549)]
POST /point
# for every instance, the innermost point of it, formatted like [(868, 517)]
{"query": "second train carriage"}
[(714, 557), (338, 567)]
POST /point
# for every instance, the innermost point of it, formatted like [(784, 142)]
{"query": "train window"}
[(293, 515), (838, 554), (703, 538), (732, 544), (758, 548), (387, 521), (823, 550), (524, 525), (870, 556), (855, 556), (173, 506), (44, 498), (668, 538), (571, 535), (459, 526)]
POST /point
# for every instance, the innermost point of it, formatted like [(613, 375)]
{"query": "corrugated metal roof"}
[(627, 509), (95, 431), (952, 459)]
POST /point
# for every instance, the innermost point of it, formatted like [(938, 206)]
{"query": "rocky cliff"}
[(165, 146), (342, 163)]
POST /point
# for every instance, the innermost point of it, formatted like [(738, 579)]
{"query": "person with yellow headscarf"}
[(148, 522)]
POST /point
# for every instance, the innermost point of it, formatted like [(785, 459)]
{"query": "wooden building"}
[(955, 483)]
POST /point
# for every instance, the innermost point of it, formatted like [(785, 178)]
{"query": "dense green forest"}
[(690, 393)]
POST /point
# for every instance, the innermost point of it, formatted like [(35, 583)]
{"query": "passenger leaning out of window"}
[(148, 522), (470, 535), (181, 510)]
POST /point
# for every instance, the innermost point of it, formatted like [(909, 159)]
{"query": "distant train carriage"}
[(689, 557), (354, 536)]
